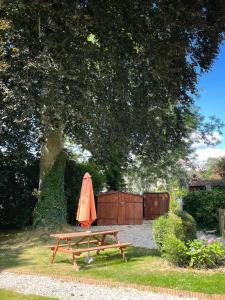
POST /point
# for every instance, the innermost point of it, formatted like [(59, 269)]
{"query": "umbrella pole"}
[(88, 238), (89, 258)]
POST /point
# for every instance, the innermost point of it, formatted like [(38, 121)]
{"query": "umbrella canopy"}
[(86, 213)]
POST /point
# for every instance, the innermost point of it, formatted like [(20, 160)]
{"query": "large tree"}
[(104, 73)]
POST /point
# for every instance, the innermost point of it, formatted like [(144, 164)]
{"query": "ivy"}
[(51, 207)]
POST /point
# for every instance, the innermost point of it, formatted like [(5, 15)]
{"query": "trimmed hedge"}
[(175, 251), (204, 206), (189, 225), (18, 179), (165, 226)]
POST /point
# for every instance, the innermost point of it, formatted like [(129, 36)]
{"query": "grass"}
[(24, 251), (10, 295)]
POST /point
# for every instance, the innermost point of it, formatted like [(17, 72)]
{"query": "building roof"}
[(201, 182)]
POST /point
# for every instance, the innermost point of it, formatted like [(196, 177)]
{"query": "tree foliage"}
[(220, 167), (124, 78), (108, 73)]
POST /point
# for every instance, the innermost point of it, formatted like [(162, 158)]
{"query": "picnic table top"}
[(82, 234)]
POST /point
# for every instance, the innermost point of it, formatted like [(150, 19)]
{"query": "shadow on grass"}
[(14, 243), (25, 249), (113, 258)]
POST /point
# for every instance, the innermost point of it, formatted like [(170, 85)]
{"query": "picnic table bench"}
[(98, 238)]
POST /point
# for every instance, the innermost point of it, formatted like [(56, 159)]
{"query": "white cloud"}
[(213, 138), (204, 153)]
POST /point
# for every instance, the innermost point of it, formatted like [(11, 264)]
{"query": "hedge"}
[(204, 206)]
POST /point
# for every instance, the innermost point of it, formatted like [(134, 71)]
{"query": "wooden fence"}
[(222, 222)]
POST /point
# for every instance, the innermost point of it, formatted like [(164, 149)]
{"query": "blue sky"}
[(212, 99)]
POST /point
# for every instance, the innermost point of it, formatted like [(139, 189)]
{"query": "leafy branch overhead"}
[(111, 72), (117, 77)]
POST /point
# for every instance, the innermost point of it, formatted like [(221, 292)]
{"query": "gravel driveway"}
[(138, 235), (74, 290)]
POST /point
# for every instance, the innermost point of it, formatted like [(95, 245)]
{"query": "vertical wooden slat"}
[(222, 222), (119, 208), (155, 205)]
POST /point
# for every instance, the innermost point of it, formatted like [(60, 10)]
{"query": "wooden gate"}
[(155, 205), (119, 208)]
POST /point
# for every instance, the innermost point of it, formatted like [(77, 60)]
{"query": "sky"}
[(211, 101)]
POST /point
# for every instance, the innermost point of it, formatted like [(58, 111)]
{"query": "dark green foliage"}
[(204, 205), (189, 225), (175, 251), (114, 177), (135, 93), (165, 226), (203, 255), (18, 179), (113, 73), (220, 167), (74, 173), (51, 206)]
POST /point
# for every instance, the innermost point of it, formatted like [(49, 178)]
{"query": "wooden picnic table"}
[(73, 241)]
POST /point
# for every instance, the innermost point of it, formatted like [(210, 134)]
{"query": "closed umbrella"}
[(86, 213)]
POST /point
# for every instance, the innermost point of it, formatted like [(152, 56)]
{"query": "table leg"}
[(76, 267), (69, 243), (101, 242), (55, 250), (123, 254), (116, 238)]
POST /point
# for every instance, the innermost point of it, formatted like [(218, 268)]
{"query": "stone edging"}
[(109, 283)]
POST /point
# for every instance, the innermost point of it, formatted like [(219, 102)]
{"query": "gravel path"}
[(69, 290), (138, 235)]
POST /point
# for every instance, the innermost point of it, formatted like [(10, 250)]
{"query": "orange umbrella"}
[(86, 213)]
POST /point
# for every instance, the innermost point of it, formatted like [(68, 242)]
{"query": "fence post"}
[(222, 222)]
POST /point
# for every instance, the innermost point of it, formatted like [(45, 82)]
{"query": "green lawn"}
[(25, 251), (10, 295)]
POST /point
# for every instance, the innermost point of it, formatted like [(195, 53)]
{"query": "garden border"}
[(109, 283)]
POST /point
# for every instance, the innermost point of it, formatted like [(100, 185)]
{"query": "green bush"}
[(204, 205), (189, 225), (167, 225), (74, 173), (175, 251), (18, 179), (50, 209), (203, 255)]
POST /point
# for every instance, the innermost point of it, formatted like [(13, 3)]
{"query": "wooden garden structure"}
[(119, 208), (155, 205)]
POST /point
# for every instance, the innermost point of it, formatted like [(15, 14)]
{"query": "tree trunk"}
[(50, 150), (51, 206)]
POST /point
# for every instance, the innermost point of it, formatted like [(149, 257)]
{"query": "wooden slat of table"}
[(119, 245), (82, 234)]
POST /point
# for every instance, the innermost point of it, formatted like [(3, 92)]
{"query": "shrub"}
[(217, 250), (167, 225), (175, 251), (203, 255), (18, 179), (204, 205), (50, 209), (189, 225)]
